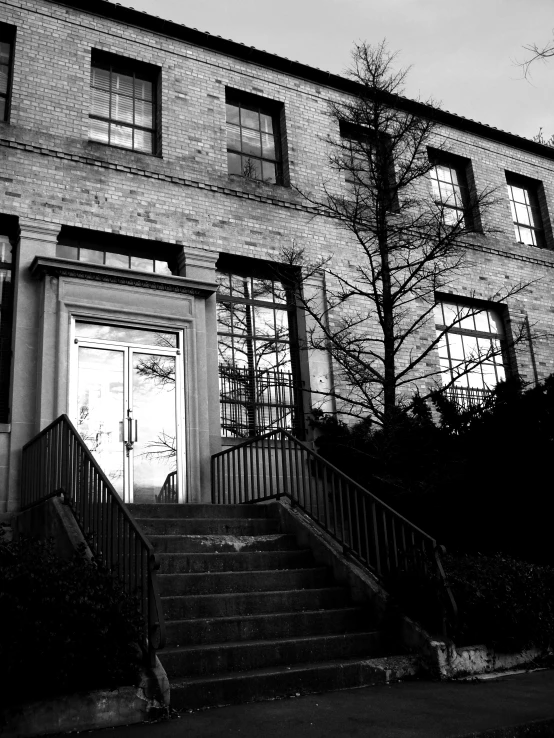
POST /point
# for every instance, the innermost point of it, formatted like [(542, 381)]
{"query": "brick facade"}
[(53, 176)]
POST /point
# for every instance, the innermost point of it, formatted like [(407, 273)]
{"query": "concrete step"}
[(265, 627), (250, 603), (284, 681), (200, 511), (239, 581), (208, 526), (242, 656), (177, 563), (207, 543)]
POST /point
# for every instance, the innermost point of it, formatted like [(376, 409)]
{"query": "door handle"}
[(123, 431), (133, 431)]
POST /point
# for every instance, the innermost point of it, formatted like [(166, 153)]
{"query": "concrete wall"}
[(52, 176)]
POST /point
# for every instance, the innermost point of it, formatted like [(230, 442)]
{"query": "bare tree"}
[(411, 243)]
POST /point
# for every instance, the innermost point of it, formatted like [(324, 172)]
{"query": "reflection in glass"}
[(125, 334)]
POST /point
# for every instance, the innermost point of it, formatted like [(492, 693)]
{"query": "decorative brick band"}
[(185, 182)]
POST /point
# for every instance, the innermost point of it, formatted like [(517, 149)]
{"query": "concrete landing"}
[(507, 707)]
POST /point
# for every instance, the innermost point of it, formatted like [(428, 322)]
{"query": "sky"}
[(463, 55)]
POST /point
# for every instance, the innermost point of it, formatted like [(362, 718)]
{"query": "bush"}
[(66, 625), (475, 482), (503, 602)]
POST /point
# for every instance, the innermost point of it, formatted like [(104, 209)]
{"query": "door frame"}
[(127, 348)]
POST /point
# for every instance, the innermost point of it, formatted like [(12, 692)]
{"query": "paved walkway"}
[(405, 710)]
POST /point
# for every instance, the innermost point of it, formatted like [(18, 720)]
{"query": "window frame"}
[(247, 269), (138, 70), (6, 330), (7, 35), (494, 314), (459, 167), (262, 106), (534, 208), (82, 245)]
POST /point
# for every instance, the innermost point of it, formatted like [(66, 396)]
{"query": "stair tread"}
[(285, 668), (241, 573), (217, 595), (265, 642), (279, 615)]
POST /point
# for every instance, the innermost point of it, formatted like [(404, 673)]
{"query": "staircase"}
[(249, 615)]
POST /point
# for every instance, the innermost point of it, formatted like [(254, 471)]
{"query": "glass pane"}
[(264, 321), (471, 348), (233, 137), (100, 103), (523, 214), (143, 89), (100, 408), (232, 114), (251, 168), (500, 373), (99, 130), (262, 289), (224, 317), (2, 108), (439, 320), (475, 379), (250, 118), (242, 316), (122, 108), (4, 52), (3, 79), (154, 411), (162, 267), (5, 250), (5, 286), (67, 252), (269, 172), (527, 236), (450, 312), (145, 265), (117, 260), (282, 324), (122, 84), (482, 321), (125, 334), (121, 136), (251, 143), (268, 146), (266, 123), (100, 78), (496, 323), (234, 163), (144, 141), (442, 348), (467, 323), (223, 284), (143, 114), (455, 346), (92, 256)]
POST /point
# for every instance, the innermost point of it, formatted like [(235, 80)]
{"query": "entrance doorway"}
[(128, 407)]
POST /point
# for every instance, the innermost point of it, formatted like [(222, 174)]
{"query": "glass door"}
[(128, 408)]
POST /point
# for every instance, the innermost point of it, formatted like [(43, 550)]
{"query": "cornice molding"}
[(55, 267)]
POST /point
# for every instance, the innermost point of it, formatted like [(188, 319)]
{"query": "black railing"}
[(168, 492), (57, 461), (253, 402), (277, 464), (466, 397)]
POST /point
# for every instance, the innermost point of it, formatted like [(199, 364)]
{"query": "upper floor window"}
[(471, 349), (253, 141), (6, 56), (526, 213), (450, 190), (122, 104), (6, 317), (123, 259)]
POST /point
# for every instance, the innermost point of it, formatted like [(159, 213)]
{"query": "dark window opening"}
[(526, 212), (123, 103), (7, 37), (259, 372), (253, 138)]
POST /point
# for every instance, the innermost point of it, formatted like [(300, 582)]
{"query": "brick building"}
[(127, 226)]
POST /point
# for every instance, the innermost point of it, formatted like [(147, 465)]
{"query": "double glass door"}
[(128, 408)]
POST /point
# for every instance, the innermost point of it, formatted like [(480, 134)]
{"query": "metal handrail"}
[(57, 460), (277, 464), (168, 492)]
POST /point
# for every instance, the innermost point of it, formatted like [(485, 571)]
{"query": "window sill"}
[(92, 142), (256, 183)]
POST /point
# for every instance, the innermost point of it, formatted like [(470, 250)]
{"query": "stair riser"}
[(199, 511), (250, 581), (205, 526), (283, 625), (216, 544), (231, 605), (255, 687), (221, 562), (244, 656)]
